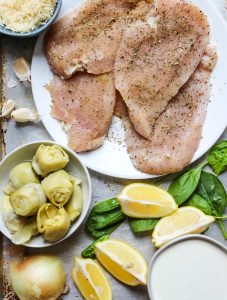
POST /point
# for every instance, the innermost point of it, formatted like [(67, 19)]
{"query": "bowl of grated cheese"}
[(27, 18)]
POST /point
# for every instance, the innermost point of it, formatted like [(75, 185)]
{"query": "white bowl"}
[(26, 153), (175, 262)]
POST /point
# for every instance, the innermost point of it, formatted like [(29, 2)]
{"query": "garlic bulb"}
[(7, 108), (38, 277), (22, 69), (22, 115)]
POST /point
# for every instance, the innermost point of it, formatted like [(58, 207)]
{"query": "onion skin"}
[(38, 277)]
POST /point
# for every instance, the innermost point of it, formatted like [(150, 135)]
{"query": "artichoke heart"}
[(52, 222), (19, 176), (27, 200), (26, 232), (75, 204), (12, 221), (58, 187), (49, 159)]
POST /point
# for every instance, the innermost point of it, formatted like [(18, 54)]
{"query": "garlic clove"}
[(7, 108), (22, 69), (11, 83), (22, 115)]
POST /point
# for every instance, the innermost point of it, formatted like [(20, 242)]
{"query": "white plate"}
[(112, 158)]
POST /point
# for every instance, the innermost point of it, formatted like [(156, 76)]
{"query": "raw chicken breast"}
[(177, 131), (156, 57), (85, 103), (88, 38)]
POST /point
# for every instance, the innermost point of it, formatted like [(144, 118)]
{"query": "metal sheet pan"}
[(14, 135)]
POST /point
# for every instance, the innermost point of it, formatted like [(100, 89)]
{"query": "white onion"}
[(38, 277)]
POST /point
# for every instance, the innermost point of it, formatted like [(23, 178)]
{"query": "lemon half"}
[(141, 200), (122, 261), (185, 220), (91, 280)]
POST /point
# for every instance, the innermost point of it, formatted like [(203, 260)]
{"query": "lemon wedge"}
[(90, 279), (185, 220), (141, 200), (122, 261)]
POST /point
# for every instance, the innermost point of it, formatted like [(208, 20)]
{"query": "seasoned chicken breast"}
[(156, 57), (88, 37), (177, 131), (85, 104)]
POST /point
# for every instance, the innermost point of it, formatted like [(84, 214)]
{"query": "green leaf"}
[(104, 218), (141, 225), (106, 205), (184, 185), (211, 189), (89, 251), (217, 157), (100, 221), (200, 203), (97, 233)]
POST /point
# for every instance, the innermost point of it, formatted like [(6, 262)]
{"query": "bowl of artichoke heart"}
[(27, 18), (45, 194)]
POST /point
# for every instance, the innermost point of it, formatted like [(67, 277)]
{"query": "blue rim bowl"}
[(4, 30)]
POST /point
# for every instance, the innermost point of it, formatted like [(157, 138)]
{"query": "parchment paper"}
[(103, 187)]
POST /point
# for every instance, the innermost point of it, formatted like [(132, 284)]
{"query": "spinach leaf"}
[(100, 221), (184, 185), (106, 205), (97, 233), (217, 157), (141, 225), (89, 252), (211, 189), (104, 218), (200, 203)]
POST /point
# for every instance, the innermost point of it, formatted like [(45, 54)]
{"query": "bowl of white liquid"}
[(192, 267)]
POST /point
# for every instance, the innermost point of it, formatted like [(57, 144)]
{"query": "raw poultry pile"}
[(154, 58)]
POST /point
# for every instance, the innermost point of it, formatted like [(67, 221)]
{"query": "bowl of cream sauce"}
[(192, 267)]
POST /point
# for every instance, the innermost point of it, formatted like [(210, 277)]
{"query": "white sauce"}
[(190, 270)]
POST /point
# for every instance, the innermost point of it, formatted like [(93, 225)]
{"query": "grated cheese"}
[(25, 15)]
